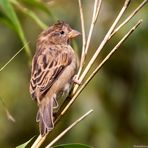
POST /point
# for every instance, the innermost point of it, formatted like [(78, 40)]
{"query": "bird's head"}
[(60, 33)]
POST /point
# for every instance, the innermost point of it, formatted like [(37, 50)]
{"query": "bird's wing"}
[(46, 68)]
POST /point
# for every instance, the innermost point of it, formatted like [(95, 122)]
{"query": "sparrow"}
[(54, 66)]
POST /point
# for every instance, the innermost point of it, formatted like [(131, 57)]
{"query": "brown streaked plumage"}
[(53, 67)]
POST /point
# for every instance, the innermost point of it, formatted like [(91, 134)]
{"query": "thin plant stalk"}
[(97, 6), (83, 37), (126, 4), (85, 46), (129, 17), (69, 128), (12, 58), (38, 141), (86, 70), (99, 67)]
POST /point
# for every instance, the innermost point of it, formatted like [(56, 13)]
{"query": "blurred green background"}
[(118, 93)]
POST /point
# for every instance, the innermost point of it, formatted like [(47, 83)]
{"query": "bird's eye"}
[(62, 32)]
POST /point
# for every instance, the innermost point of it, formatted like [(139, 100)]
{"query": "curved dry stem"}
[(69, 128)]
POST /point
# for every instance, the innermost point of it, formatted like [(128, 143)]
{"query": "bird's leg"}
[(38, 101), (55, 103), (76, 80)]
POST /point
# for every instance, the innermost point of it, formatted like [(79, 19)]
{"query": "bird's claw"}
[(76, 80)]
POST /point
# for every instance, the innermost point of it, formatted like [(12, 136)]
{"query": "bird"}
[(54, 67)]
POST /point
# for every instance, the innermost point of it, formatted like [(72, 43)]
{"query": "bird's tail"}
[(45, 115)]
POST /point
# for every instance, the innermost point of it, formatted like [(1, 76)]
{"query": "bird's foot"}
[(76, 80)]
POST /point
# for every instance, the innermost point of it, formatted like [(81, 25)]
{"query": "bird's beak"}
[(73, 33)]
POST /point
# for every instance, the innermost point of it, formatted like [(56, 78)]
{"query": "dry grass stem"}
[(106, 58), (100, 65), (83, 38), (129, 17), (38, 141), (86, 70), (97, 6), (69, 128), (12, 58), (85, 45), (98, 9)]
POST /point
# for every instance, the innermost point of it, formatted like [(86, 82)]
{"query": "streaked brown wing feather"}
[(45, 70)]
